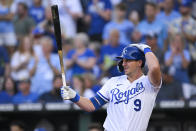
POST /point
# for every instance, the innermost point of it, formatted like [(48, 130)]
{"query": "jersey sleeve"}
[(104, 91), (155, 88)]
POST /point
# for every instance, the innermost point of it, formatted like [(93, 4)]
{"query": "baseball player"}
[(130, 97)]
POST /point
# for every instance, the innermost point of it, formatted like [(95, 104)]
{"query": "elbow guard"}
[(97, 101)]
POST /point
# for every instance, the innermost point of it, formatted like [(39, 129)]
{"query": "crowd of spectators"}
[(94, 32)]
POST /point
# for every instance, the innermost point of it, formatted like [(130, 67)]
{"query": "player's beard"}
[(129, 72), (133, 72)]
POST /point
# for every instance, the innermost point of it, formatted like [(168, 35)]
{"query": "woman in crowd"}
[(80, 59), (8, 91), (20, 59), (177, 59), (78, 84)]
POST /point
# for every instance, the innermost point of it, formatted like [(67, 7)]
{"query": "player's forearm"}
[(85, 104), (154, 68), (152, 61)]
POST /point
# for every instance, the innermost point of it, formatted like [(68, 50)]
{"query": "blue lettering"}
[(125, 96), (132, 91), (114, 93), (137, 87), (141, 86), (120, 95)]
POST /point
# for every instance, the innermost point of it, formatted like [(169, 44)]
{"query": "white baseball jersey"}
[(129, 104)]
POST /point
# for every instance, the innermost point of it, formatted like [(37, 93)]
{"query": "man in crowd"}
[(120, 23), (23, 24), (151, 24), (98, 14), (43, 68), (109, 52), (25, 95), (53, 95)]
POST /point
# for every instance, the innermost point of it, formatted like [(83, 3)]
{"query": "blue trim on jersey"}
[(103, 96), (97, 101)]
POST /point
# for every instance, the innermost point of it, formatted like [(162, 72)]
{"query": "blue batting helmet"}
[(131, 53)]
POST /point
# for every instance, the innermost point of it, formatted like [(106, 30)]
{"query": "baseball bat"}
[(57, 32)]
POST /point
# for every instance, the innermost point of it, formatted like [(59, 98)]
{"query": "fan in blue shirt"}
[(169, 14), (53, 95), (120, 23), (177, 59), (4, 62), (6, 95), (98, 14), (80, 59), (151, 24), (109, 52), (24, 95), (84, 56), (37, 11)]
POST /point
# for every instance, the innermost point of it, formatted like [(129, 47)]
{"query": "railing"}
[(177, 115)]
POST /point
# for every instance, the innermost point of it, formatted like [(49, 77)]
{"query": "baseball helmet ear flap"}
[(119, 66)]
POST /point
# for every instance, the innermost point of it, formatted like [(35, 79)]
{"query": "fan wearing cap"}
[(130, 97)]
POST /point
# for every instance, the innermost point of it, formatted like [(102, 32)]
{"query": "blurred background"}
[(93, 33)]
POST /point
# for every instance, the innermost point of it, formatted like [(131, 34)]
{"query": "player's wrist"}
[(76, 98), (146, 50)]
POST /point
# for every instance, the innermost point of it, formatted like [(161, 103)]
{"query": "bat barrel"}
[(56, 22)]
